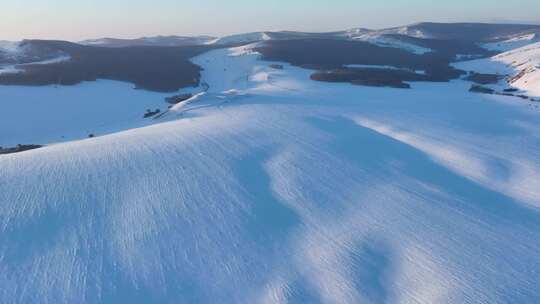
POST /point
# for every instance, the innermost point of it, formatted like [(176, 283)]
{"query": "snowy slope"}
[(241, 38), (8, 46), (17, 68), (271, 188), (512, 43), (9, 51), (44, 115), (380, 38), (522, 66), (149, 41)]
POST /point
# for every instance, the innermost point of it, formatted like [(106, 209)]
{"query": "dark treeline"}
[(164, 69)]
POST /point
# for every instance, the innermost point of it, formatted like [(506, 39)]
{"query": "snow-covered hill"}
[(521, 66), (8, 46), (241, 38), (10, 51), (382, 38), (512, 43), (149, 41), (52, 114), (272, 188)]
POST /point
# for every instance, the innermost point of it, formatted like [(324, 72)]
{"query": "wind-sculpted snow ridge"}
[(19, 68), (272, 188), (8, 47), (149, 41), (51, 114)]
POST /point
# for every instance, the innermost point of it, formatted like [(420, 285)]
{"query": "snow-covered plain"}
[(271, 188), (50, 114)]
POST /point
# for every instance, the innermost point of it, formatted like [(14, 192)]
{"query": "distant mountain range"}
[(162, 63), (478, 32)]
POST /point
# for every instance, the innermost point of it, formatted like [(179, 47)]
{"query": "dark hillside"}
[(445, 46), (330, 58), (333, 53), (151, 68)]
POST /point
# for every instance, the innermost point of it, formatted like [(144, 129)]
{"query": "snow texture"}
[(512, 43), (272, 188), (522, 65)]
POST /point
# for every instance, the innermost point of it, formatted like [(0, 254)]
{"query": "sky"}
[(85, 19)]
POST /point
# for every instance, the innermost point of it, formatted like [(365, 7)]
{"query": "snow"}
[(272, 188), (10, 69), (155, 40), (403, 30), (379, 38), (522, 65), (97, 42), (49, 114), (512, 43), (10, 50), (241, 38), (384, 67), (9, 46), (58, 59)]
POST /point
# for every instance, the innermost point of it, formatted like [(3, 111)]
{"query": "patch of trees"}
[(149, 113), (483, 78), (329, 57)]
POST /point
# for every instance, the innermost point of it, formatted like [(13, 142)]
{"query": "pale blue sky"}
[(81, 19)]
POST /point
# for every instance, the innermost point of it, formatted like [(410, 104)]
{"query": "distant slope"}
[(25, 52), (513, 43), (274, 189), (477, 32), (161, 63), (151, 68), (149, 41), (456, 38), (522, 67), (241, 38), (46, 115)]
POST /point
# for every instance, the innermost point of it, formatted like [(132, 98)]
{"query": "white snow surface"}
[(271, 188), (50, 114), (512, 43), (522, 65), (156, 40), (241, 38), (379, 38), (402, 30)]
